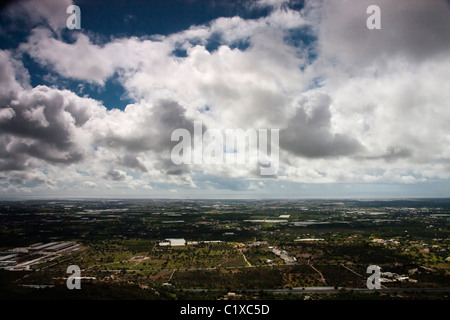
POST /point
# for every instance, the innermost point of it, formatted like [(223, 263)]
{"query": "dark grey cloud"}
[(8, 84), (308, 132), (39, 126), (166, 165), (22, 178), (151, 131), (39, 123), (393, 153), (115, 175), (413, 30), (132, 161), (10, 160)]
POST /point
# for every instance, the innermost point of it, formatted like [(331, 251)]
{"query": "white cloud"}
[(372, 107), (6, 114), (51, 12), (87, 61)]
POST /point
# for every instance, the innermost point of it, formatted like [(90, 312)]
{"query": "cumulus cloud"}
[(84, 60), (352, 104), (35, 123), (44, 126), (9, 86), (309, 132), (116, 175), (32, 12)]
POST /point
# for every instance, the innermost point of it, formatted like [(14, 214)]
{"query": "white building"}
[(177, 242)]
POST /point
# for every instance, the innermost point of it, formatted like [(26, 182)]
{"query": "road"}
[(322, 278), (365, 290), (245, 258), (325, 290), (353, 271)]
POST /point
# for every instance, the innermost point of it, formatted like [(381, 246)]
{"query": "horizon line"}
[(324, 198)]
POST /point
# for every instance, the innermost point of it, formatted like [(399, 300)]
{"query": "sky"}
[(89, 113)]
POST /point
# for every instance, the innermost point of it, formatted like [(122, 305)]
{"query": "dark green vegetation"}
[(242, 247)]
